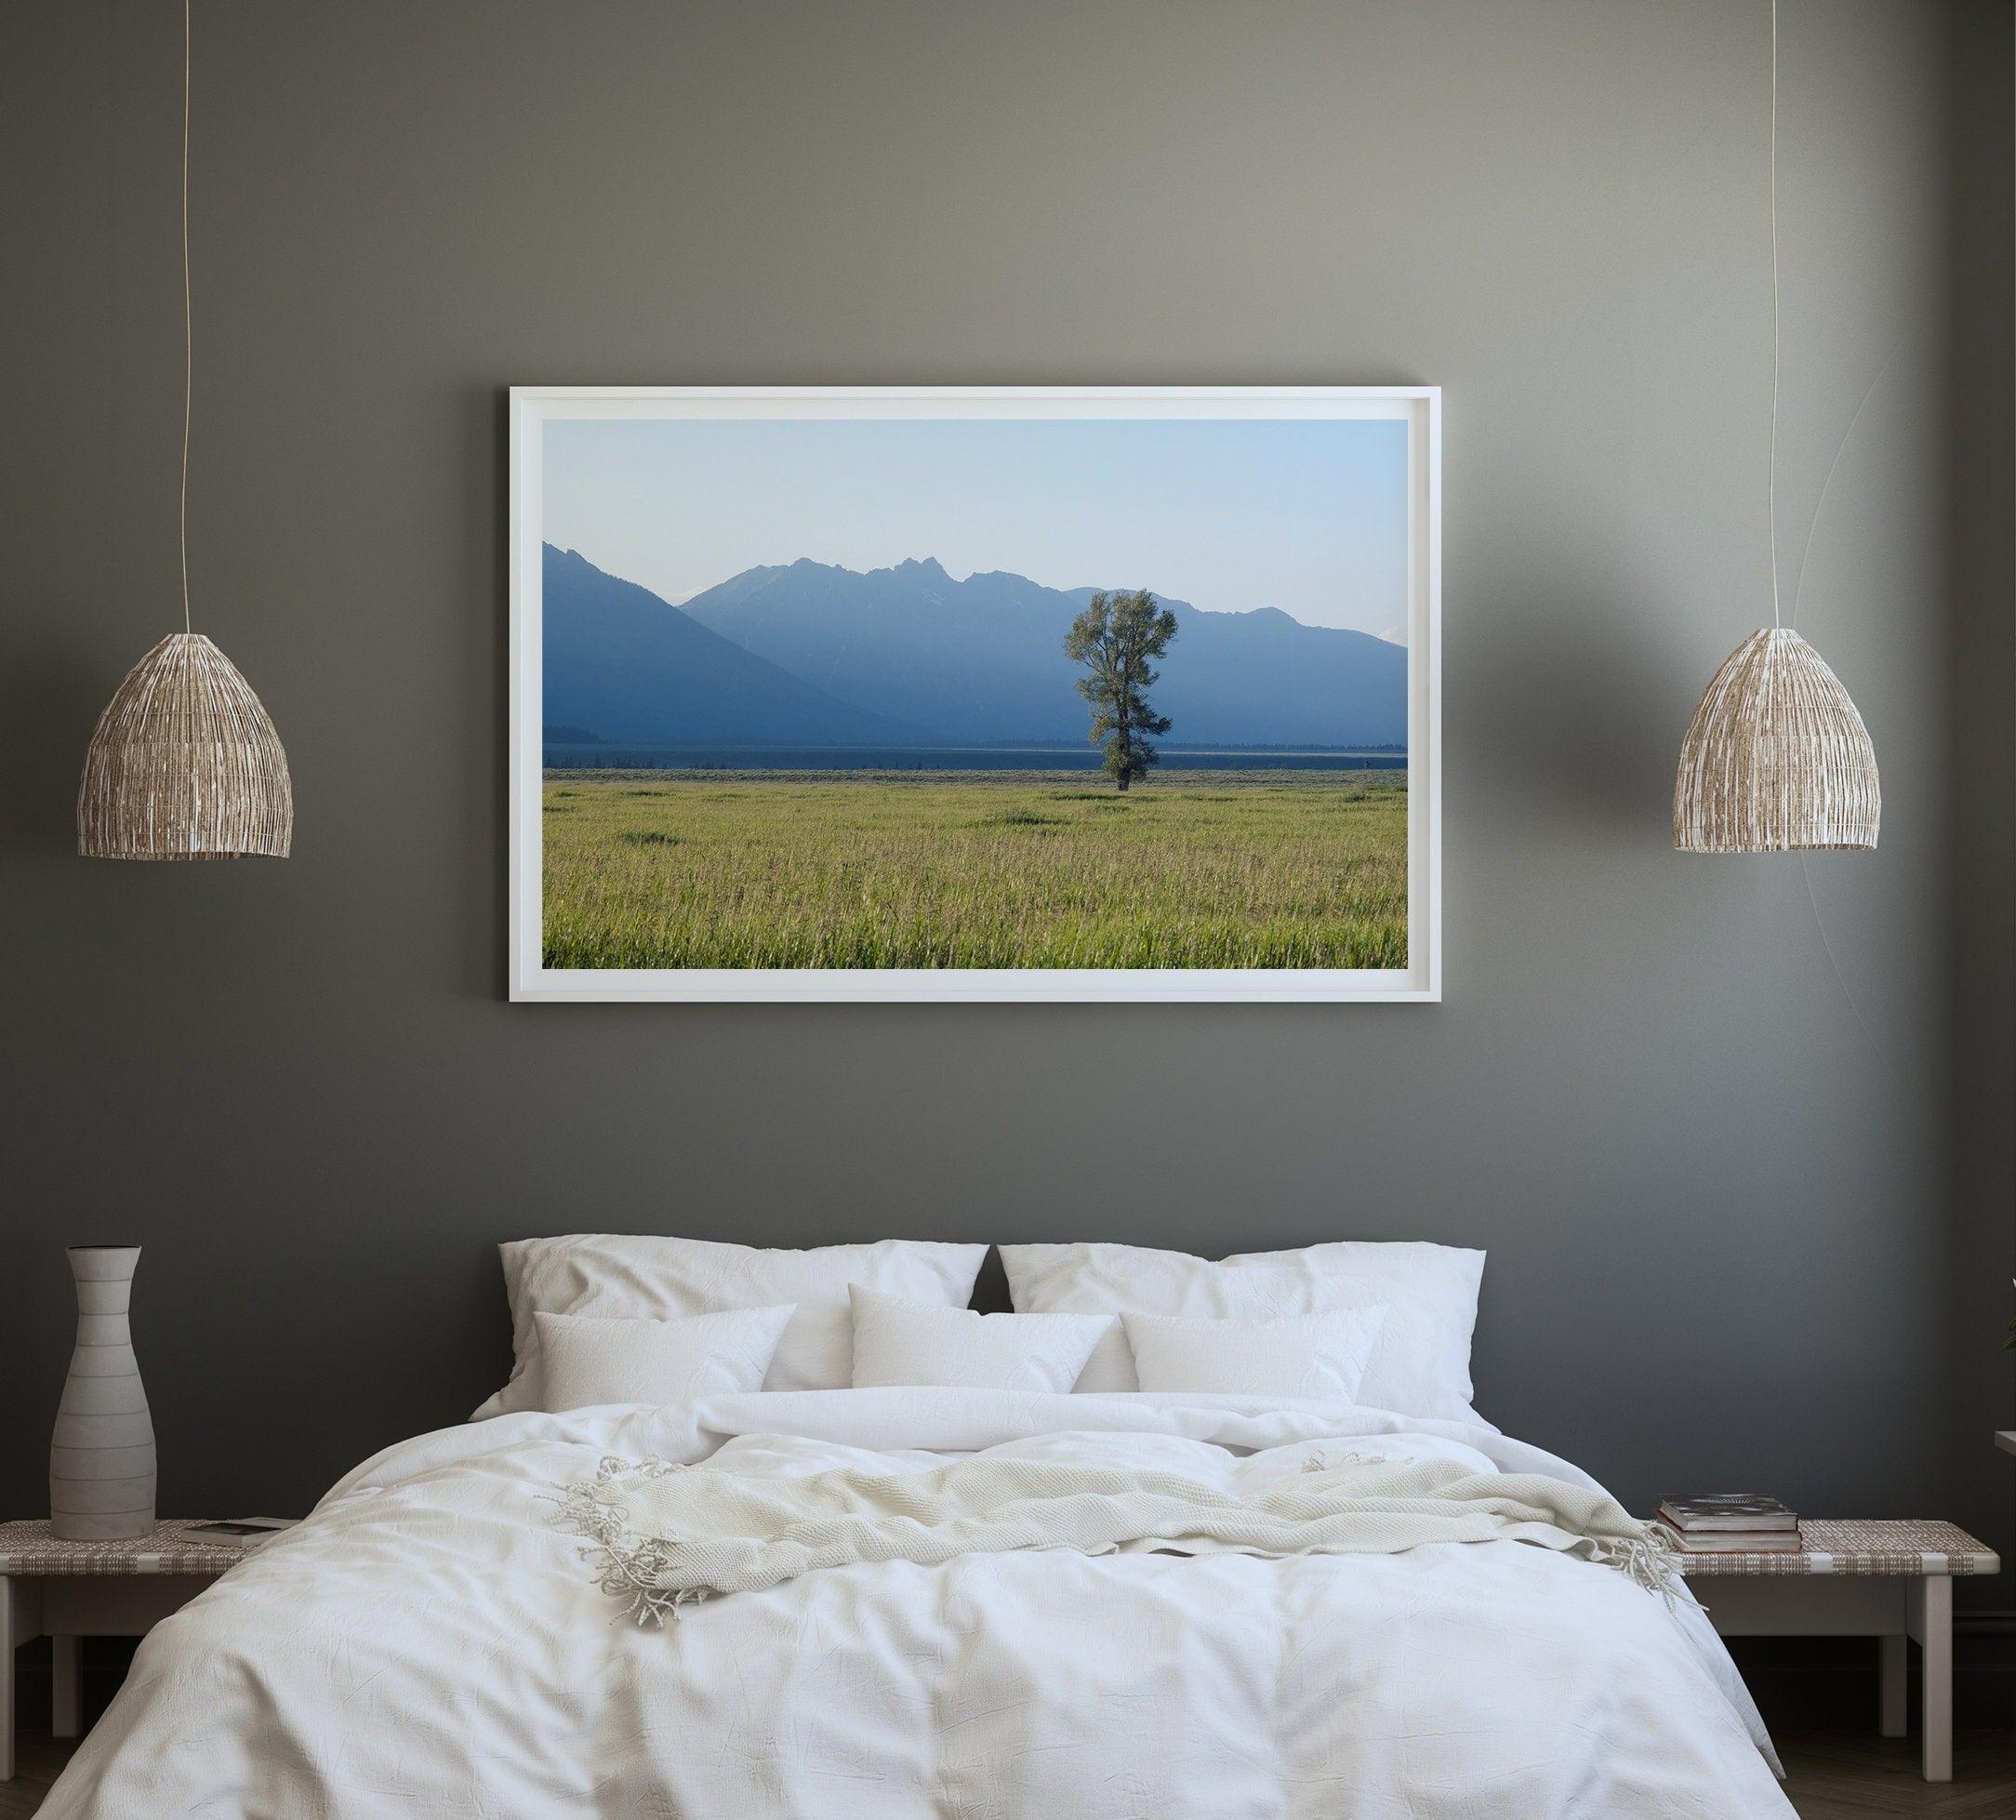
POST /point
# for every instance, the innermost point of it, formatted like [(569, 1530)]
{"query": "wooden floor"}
[(1849, 1775), (37, 1759), (1833, 1776)]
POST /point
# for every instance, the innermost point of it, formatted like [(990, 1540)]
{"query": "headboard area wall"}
[(1736, 1133)]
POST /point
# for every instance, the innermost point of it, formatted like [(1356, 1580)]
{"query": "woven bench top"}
[(1869, 1546), (28, 1549)]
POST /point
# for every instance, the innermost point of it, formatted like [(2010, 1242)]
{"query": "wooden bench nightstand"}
[(1857, 1578), (69, 1590)]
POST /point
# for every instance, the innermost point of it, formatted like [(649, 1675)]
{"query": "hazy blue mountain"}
[(629, 666), (982, 659)]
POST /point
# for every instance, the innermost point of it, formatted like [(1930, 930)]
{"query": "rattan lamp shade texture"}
[(184, 764), (1776, 759)]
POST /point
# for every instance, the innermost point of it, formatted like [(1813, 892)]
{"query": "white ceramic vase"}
[(101, 1459)]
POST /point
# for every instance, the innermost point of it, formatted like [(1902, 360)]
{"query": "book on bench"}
[(1729, 1522), (1727, 1542), (1713, 1512)]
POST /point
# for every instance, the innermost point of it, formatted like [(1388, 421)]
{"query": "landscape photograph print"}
[(1004, 694)]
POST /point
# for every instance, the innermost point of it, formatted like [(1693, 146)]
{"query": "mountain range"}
[(808, 654)]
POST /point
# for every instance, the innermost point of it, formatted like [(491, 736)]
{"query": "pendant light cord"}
[(187, 336), (1770, 484)]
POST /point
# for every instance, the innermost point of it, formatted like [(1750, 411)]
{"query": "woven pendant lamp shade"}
[(184, 764), (1776, 758)]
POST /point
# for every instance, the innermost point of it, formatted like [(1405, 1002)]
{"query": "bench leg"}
[(1935, 1635), (66, 1693), (1893, 1679), (6, 1680)]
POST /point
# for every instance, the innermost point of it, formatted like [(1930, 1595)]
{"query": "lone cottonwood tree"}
[(1115, 637)]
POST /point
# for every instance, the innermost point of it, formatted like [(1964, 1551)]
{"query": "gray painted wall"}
[(1736, 1133)]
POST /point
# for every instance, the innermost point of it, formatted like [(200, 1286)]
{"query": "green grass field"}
[(1196, 869)]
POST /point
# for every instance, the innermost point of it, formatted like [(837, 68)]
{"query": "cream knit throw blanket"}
[(662, 1536)]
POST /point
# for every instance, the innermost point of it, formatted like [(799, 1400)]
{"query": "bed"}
[(444, 1637)]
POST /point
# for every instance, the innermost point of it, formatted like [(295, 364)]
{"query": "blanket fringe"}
[(1648, 1560), (628, 1567)]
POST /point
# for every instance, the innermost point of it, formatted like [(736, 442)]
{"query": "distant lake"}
[(949, 758)]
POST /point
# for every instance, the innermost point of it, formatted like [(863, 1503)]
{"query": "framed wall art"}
[(1095, 693)]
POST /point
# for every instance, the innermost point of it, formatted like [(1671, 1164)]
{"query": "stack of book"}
[(1730, 1523)]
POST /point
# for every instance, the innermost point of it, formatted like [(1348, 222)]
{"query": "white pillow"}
[(586, 1359), (1421, 1365), (1301, 1355), (636, 1275), (899, 1342)]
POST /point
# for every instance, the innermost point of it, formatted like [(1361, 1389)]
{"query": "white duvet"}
[(431, 1642)]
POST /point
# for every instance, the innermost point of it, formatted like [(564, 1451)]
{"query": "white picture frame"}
[(532, 407)]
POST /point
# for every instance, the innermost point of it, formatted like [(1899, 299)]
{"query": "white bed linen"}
[(430, 1641), (1421, 1365), (899, 1341), (655, 1276), (1298, 1355), (587, 1360)]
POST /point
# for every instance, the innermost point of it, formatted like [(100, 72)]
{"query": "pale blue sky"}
[(1228, 515)]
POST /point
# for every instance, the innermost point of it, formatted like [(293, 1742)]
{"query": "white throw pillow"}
[(587, 1360), (1421, 1365), (634, 1275), (1301, 1355), (902, 1342)]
